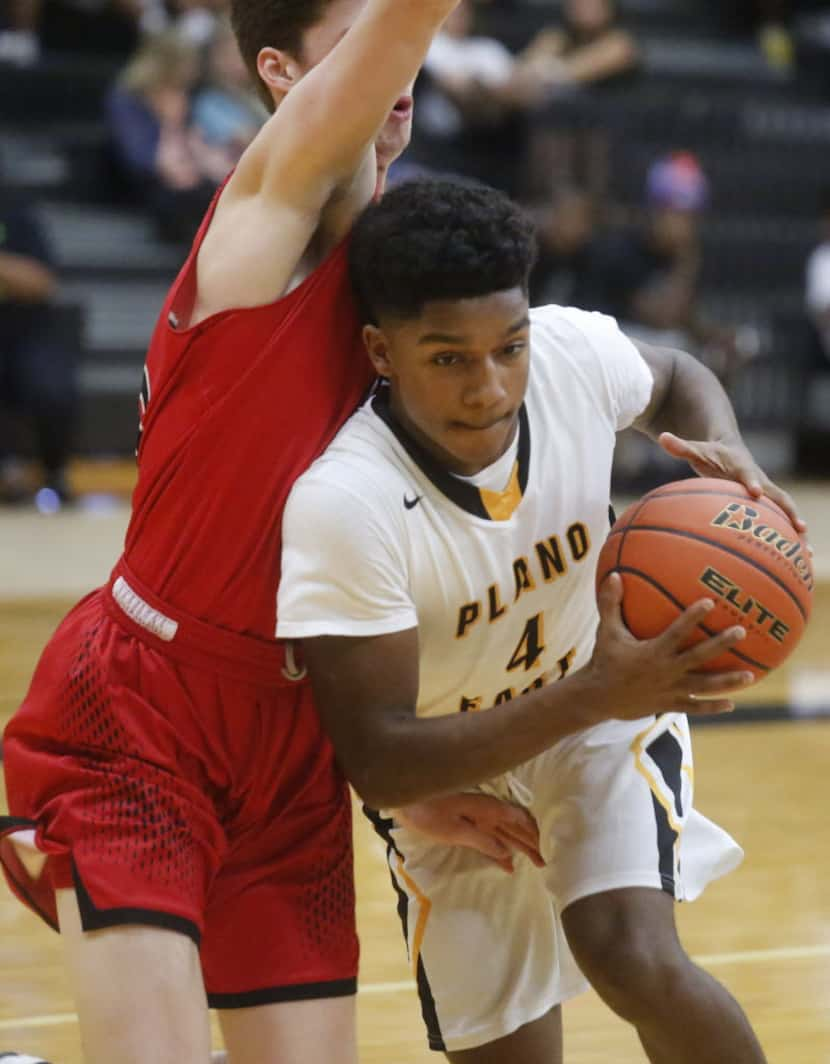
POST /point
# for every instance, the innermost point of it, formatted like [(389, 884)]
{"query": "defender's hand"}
[(480, 822)]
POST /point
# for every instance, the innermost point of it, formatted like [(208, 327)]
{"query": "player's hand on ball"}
[(493, 828), (730, 461), (642, 676)]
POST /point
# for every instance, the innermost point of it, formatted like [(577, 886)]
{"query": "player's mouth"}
[(403, 109), (485, 426)]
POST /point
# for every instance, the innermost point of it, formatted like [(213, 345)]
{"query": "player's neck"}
[(380, 184)]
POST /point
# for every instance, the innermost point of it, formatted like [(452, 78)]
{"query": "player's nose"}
[(485, 387)]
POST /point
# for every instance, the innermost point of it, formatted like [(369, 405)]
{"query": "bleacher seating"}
[(53, 149), (764, 144)]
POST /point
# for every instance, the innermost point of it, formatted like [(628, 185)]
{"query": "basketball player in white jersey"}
[(439, 566)]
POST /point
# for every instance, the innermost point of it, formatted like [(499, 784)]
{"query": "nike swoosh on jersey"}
[(411, 503)]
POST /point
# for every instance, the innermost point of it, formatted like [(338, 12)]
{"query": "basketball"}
[(710, 538)]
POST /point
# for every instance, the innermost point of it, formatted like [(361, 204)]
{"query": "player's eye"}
[(515, 349), (446, 358)]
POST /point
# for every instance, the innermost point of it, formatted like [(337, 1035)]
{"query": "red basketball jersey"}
[(233, 410)]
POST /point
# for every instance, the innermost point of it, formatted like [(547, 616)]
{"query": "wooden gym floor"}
[(764, 931)]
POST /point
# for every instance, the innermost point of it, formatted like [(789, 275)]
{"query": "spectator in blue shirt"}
[(226, 112), (148, 114)]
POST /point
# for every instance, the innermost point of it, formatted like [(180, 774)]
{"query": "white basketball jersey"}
[(379, 538)]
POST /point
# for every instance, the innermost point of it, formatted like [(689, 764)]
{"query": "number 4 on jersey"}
[(531, 645)]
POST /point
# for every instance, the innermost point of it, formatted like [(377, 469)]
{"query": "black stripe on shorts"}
[(273, 995), (95, 919), (665, 751), (383, 827)]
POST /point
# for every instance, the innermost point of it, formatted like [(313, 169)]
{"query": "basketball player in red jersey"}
[(189, 832)]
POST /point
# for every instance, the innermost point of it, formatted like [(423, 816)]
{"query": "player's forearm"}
[(696, 407), (418, 758)]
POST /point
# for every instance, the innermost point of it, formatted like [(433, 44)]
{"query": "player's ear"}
[(278, 70), (377, 347)]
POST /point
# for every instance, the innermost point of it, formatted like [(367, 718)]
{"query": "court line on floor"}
[(55, 1020), (712, 960), (760, 956)]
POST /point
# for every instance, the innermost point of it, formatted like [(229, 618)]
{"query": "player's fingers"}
[(703, 684), (487, 845), (524, 835), (677, 447), (711, 648), (682, 627), (697, 454), (704, 707), (609, 599), (745, 472), (787, 504), (513, 820), (485, 842), (514, 825), (491, 814), (528, 849)]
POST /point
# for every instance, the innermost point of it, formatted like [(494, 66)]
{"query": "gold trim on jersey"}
[(490, 505), (501, 505)]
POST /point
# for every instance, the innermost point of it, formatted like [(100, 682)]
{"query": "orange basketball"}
[(709, 538)]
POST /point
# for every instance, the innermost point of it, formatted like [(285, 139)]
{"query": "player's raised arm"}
[(313, 166)]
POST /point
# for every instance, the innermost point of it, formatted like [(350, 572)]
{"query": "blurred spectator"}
[(648, 276), (162, 158), (590, 53), (818, 280), (195, 21), (37, 371), (473, 98), (227, 111), (565, 227), (19, 42), (591, 48)]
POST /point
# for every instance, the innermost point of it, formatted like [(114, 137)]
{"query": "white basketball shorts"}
[(614, 808)]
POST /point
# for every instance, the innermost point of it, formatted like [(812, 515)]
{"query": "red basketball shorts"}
[(179, 780)]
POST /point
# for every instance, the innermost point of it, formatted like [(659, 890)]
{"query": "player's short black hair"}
[(437, 239)]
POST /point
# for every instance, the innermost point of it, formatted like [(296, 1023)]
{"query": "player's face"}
[(338, 18), (458, 375)]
